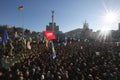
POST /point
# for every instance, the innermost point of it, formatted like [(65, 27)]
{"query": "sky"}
[(69, 14)]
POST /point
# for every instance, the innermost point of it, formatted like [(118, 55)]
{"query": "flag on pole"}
[(53, 55), (29, 40), (20, 8), (28, 45), (4, 40), (53, 51), (5, 37), (24, 42), (49, 34)]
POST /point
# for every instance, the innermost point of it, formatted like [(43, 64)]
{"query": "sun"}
[(110, 17)]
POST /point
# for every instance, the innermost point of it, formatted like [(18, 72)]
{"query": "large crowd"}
[(74, 61)]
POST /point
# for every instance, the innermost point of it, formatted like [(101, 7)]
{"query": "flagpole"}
[(22, 21)]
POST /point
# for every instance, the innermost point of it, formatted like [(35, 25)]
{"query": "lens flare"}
[(110, 17), (109, 20), (104, 33)]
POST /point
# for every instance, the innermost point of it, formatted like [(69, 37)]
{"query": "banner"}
[(49, 34)]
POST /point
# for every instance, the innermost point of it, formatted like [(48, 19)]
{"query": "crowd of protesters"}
[(74, 61)]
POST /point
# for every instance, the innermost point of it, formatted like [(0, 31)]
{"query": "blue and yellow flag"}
[(20, 8), (24, 42), (53, 51), (5, 36), (4, 39)]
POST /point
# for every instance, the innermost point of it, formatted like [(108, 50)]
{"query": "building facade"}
[(53, 27)]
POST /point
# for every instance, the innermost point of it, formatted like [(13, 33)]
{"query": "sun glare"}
[(104, 32), (110, 17)]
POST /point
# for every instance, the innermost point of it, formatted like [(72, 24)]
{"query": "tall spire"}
[(53, 20), (52, 16), (85, 25)]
